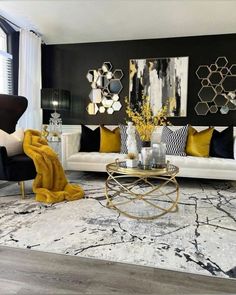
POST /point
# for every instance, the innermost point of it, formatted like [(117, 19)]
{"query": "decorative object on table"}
[(144, 119), (218, 90), (123, 138), (146, 158), (45, 131), (131, 139), (163, 80), (159, 155), (55, 99), (132, 160), (146, 143), (106, 87), (55, 135)]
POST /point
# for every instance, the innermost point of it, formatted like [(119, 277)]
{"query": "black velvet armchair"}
[(19, 167)]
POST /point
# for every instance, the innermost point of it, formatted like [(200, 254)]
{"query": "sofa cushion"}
[(203, 163), (123, 139), (198, 143), (90, 139), (109, 140), (222, 143), (96, 157), (13, 142), (175, 140)]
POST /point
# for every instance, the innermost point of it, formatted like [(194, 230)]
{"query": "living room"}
[(91, 197)]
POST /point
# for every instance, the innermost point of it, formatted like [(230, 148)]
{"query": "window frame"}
[(6, 63), (7, 43), (13, 49)]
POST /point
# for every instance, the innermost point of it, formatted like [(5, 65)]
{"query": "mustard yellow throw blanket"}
[(50, 184)]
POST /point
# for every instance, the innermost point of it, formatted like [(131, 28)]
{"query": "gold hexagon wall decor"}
[(202, 108), (106, 86), (92, 108), (224, 71), (203, 72), (220, 100), (116, 106), (207, 93), (110, 111), (213, 109), (221, 61), (218, 86)]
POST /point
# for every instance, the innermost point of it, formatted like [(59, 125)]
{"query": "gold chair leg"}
[(22, 189)]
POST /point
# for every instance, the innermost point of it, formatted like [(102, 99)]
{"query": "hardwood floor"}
[(33, 272)]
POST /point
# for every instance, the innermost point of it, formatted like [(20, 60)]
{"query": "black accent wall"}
[(66, 65)]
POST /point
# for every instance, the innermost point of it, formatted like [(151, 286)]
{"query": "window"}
[(6, 71)]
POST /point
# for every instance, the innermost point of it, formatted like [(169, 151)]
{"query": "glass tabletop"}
[(121, 168)]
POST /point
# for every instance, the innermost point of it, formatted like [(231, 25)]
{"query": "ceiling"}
[(71, 21)]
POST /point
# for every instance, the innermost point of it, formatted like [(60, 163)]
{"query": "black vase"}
[(146, 143)]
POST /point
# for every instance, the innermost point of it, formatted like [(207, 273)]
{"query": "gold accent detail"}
[(144, 119), (166, 176), (22, 189)]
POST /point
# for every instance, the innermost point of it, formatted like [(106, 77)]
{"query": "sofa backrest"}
[(156, 134), (76, 128), (12, 108)]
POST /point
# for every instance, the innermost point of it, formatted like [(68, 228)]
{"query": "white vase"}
[(131, 139)]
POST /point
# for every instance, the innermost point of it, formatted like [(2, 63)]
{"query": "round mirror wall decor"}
[(218, 87), (105, 89)]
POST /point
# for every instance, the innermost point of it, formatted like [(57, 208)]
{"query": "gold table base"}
[(122, 183)]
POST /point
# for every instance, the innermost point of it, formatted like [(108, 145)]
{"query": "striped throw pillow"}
[(175, 140)]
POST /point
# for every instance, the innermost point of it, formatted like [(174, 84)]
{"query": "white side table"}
[(56, 146)]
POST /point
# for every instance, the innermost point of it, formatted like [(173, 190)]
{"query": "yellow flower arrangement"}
[(144, 120)]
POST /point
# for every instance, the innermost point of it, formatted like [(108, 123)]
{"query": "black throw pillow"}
[(222, 143), (90, 140)]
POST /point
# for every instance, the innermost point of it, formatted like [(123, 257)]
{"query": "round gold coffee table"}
[(142, 194)]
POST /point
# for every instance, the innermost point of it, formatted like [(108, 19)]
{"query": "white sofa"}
[(199, 167)]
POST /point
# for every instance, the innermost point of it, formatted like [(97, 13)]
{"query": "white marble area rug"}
[(199, 238)]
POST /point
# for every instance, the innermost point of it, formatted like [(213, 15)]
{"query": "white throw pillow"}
[(13, 142)]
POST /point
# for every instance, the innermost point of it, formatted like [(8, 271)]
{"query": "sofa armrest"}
[(70, 144)]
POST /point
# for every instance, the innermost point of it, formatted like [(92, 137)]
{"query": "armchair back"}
[(12, 108)]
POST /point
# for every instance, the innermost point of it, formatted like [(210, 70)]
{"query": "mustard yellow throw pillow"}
[(198, 143), (109, 140)]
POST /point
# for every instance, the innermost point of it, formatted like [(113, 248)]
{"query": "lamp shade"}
[(55, 99)]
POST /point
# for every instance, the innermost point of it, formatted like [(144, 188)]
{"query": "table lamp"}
[(57, 100)]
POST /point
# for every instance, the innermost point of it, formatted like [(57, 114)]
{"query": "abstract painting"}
[(164, 80)]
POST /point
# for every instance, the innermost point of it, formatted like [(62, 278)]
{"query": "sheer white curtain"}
[(29, 83)]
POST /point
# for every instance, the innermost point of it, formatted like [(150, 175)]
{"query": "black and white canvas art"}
[(164, 80)]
